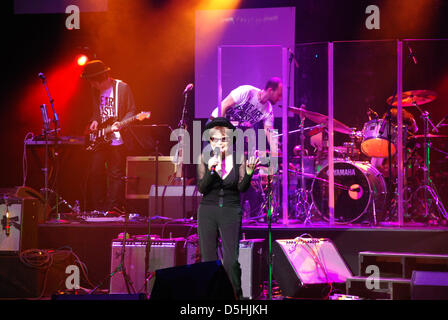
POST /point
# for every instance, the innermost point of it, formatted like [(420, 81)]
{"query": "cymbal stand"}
[(269, 216), (428, 185), (303, 207)]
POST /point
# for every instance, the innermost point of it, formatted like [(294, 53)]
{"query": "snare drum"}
[(359, 189)]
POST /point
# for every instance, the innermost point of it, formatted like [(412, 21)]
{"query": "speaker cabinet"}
[(305, 267), (19, 218), (141, 174), (18, 280), (200, 281), (170, 201), (164, 253), (429, 285)]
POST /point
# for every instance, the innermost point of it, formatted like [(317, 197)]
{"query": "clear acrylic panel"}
[(345, 87), (307, 146), (365, 76), (425, 105)]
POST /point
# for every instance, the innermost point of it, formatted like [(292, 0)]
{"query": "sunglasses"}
[(223, 139)]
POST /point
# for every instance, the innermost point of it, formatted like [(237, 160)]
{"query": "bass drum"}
[(359, 190)]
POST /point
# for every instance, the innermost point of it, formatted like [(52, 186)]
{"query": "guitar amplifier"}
[(141, 174), (18, 223), (164, 253)]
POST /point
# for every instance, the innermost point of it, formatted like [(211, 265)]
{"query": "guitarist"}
[(112, 100)]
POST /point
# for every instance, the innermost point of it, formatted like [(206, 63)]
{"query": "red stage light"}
[(82, 60)]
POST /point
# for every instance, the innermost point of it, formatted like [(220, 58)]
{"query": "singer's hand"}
[(212, 163), (94, 125), (251, 164)]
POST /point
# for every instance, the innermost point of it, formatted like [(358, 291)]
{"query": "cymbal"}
[(414, 97), (320, 118), (430, 136)]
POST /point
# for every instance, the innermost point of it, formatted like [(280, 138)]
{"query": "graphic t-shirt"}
[(248, 110), (108, 109)]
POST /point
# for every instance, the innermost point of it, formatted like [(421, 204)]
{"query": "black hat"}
[(94, 68), (220, 122)]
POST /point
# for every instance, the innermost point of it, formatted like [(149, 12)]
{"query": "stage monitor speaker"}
[(19, 218), (141, 174), (429, 285), (305, 267), (200, 281), (164, 253), (170, 201)]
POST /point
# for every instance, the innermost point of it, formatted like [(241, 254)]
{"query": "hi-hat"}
[(321, 119), (414, 97)]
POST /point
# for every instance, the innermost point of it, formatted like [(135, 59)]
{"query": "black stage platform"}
[(92, 241)]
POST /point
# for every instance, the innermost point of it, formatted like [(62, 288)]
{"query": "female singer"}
[(221, 180)]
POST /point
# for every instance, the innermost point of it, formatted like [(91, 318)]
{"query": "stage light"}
[(82, 59)]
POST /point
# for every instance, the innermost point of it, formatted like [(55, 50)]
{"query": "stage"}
[(92, 242)]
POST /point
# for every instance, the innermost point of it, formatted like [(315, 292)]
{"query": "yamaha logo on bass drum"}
[(343, 172)]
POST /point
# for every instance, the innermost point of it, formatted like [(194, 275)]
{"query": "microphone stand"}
[(270, 260), (183, 126), (56, 117), (156, 212), (122, 265), (56, 129)]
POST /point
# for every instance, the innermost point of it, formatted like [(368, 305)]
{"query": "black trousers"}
[(106, 177), (225, 223)]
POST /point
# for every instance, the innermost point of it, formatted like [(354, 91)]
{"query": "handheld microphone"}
[(189, 87), (41, 75), (216, 153)]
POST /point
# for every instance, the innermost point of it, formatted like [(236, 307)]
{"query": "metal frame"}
[(399, 92)]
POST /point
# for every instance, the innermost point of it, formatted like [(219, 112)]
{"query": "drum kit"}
[(365, 174)]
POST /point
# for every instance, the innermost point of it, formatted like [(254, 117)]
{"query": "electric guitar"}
[(104, 132)]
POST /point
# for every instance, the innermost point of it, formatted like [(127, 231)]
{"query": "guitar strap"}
[(116, 97)]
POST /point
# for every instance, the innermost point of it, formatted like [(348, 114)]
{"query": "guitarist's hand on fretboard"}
[(115, 127), (99, 133)]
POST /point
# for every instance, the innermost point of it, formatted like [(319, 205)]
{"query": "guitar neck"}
[(127, 122), (121, 124)]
